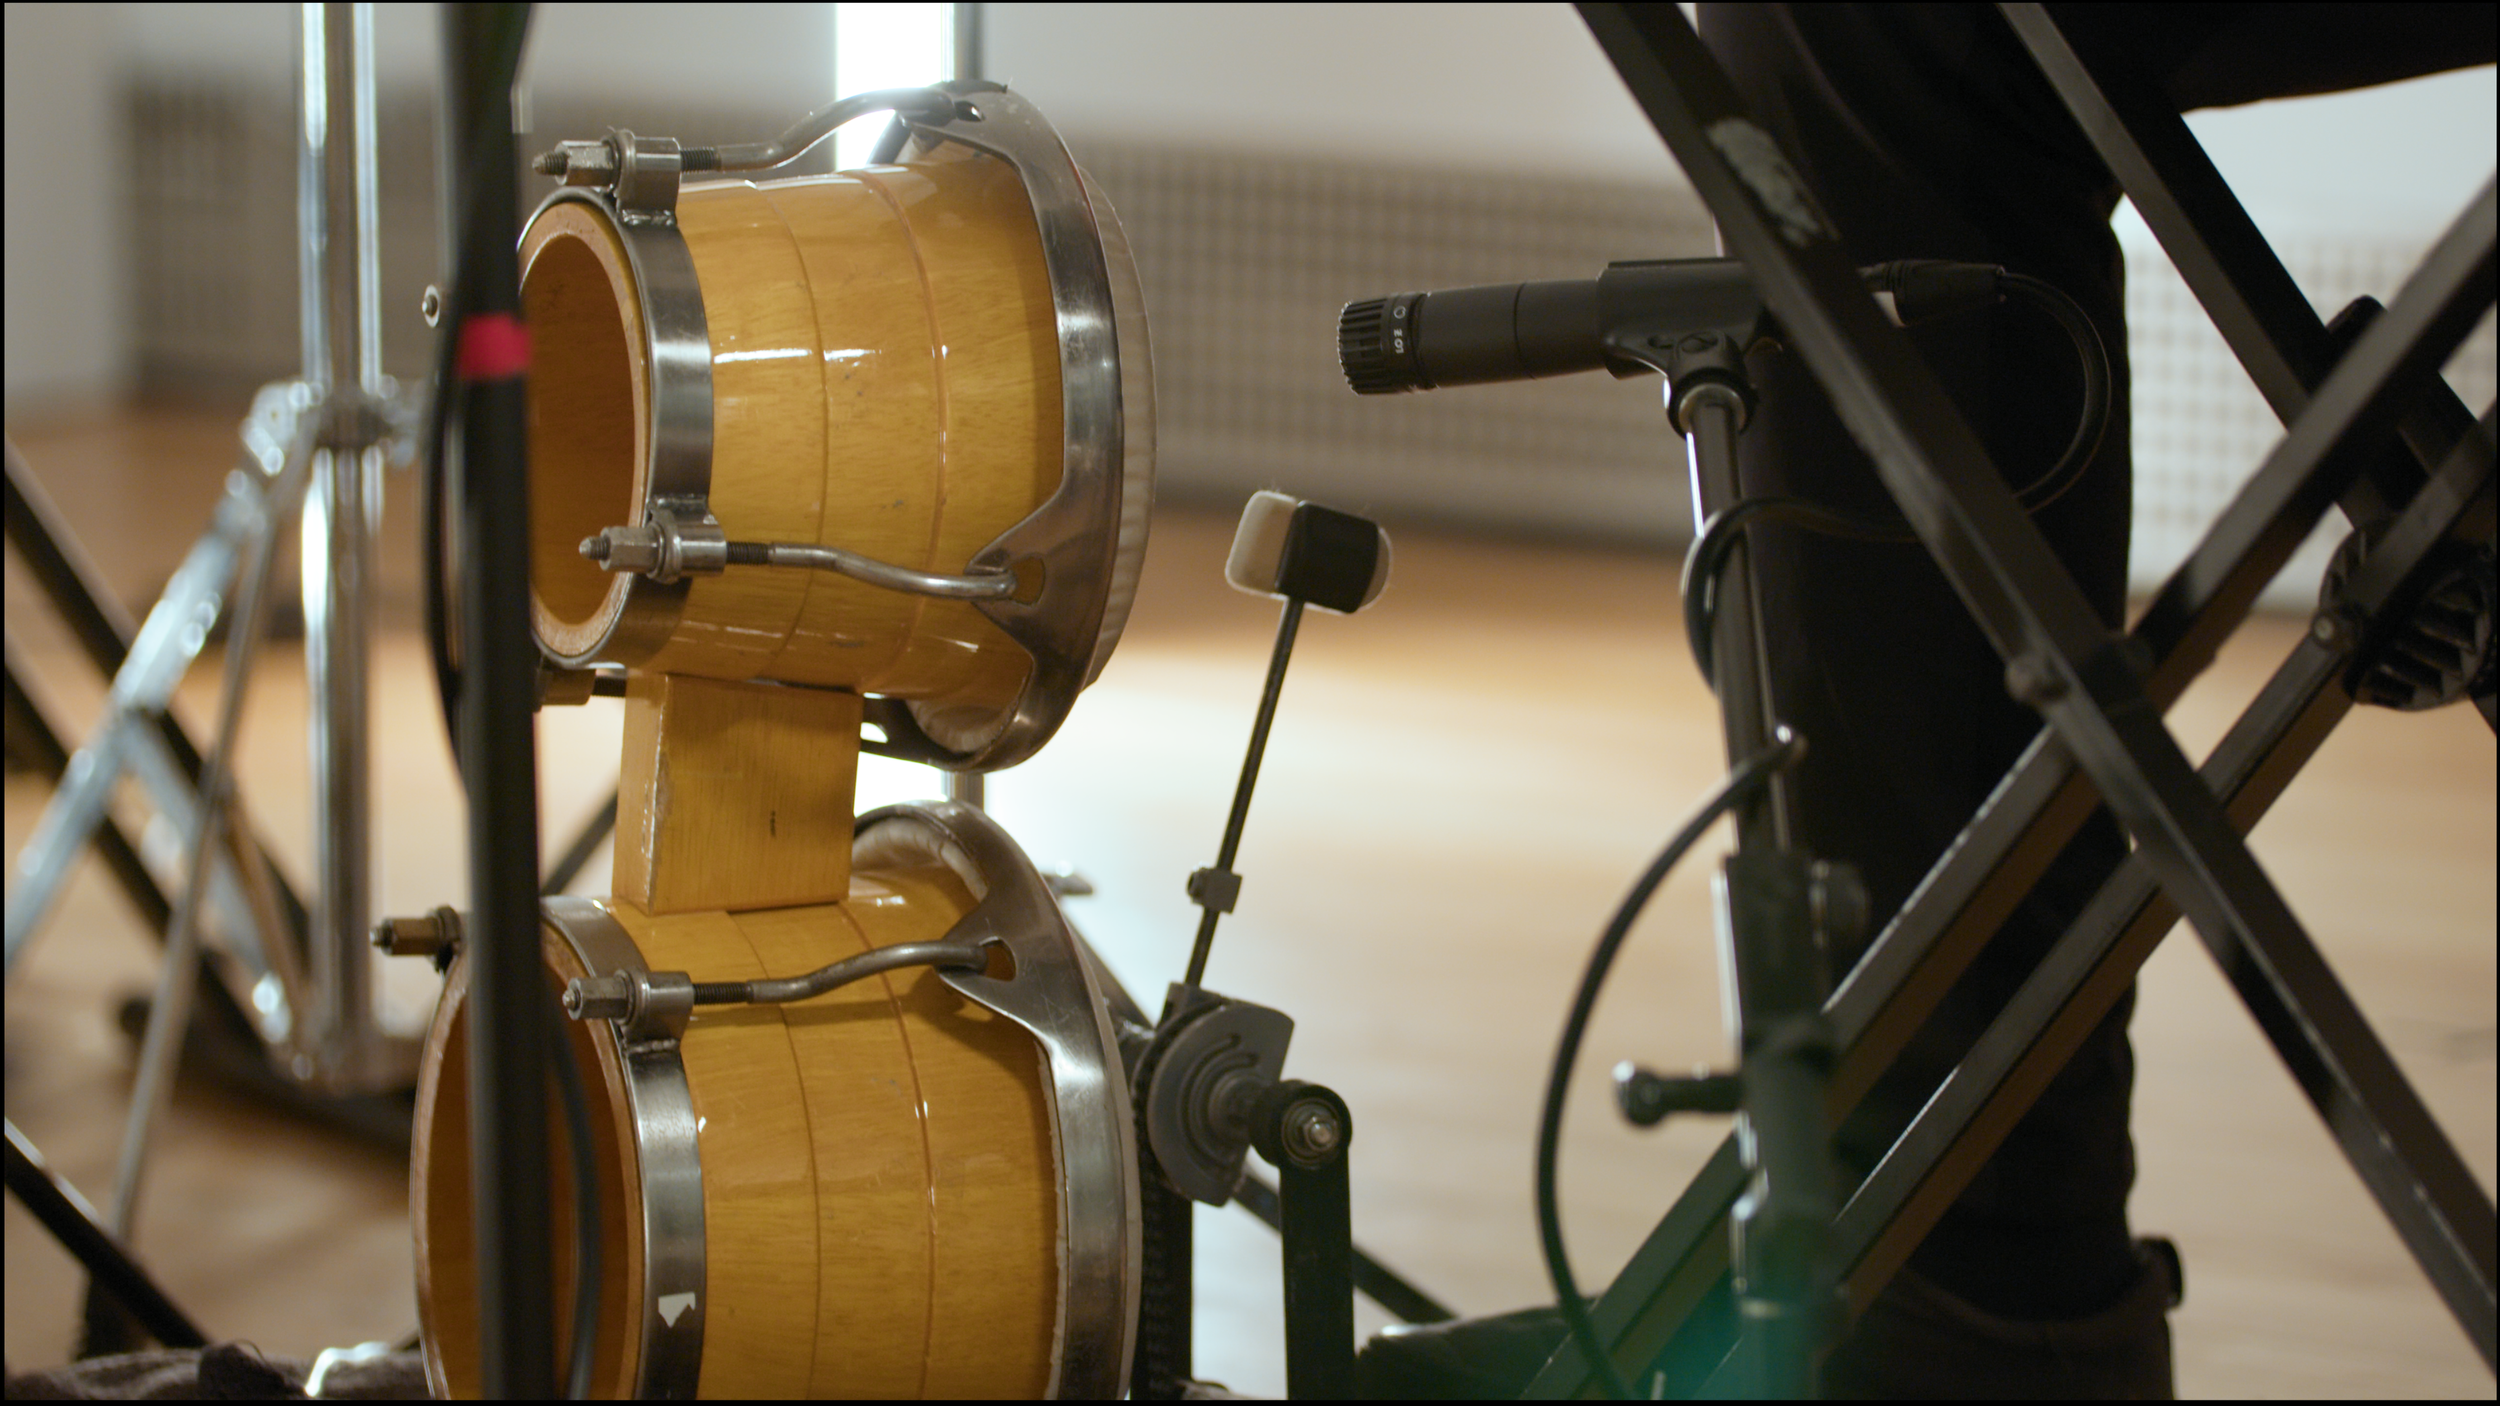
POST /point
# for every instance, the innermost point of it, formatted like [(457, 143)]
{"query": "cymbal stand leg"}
[(127, 739), (169, 1014)]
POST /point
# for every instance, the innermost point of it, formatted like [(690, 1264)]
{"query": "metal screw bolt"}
[(418, 937), (624, 548), (599, 998), (579, 163), (431, 305), (2032, 682), (1311, 1131), (2327, 628)]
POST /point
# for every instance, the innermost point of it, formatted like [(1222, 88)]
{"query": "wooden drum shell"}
[(880, 1186), (885, 379)]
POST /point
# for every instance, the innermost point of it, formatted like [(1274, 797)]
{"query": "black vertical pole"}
[(498, 753)]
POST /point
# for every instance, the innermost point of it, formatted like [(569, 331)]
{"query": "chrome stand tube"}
[(341, 327)]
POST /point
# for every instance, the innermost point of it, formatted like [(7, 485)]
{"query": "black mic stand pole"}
[(508, 998), (1778, 910)]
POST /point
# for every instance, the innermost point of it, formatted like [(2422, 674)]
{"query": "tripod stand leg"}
[(170, 1013), (176, 628)]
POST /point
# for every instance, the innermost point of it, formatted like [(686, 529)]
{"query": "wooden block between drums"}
[(734, 795)]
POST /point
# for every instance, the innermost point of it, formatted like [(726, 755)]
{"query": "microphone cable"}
[(1706, 559), (1750, 776)]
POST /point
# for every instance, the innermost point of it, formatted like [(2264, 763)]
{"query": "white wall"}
[(1502, 86), (2402, 156), (67, 338), (771, 54)]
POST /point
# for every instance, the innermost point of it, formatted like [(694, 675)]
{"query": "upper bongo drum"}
[(928, 381)]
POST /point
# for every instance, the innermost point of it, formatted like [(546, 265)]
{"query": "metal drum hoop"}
[(1055, 997), (668, 1163), (677, 347), (1070, 533)]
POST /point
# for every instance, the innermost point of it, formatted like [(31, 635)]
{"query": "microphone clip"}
[(1691, 360)]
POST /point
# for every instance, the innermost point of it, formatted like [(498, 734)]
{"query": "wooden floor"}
[(1461, 783)]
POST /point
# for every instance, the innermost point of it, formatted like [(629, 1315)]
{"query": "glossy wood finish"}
[(442, 1212), (880, 1189), (885, 379), (590, 416), (734, 795)]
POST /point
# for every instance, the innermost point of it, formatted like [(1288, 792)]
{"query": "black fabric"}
[(224, 1372), (1927, 132), (1920, 1342)]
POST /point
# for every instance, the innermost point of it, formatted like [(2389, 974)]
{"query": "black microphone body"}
[(1627, 320), (1527, 331)]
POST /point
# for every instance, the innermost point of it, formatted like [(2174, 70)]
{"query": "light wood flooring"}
[(1461, 783)]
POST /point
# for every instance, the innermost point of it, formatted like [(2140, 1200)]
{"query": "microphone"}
[(1528, 331)]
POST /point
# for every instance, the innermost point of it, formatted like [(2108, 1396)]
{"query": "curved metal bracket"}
[(677, 349), (1055, 997), (1059, 627)]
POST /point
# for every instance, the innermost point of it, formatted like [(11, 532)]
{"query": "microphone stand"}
[(1779, 910)]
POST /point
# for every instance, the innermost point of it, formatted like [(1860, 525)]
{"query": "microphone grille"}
[(1376, 344)]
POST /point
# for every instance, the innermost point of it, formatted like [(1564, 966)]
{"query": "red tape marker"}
[(494, 346)]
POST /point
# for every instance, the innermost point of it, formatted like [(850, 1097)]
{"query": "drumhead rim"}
[(670, 1163), (1080, 533), (673, 472)]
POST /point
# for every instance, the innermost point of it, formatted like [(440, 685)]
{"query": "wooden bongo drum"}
[(937, 367), (922, 1183), (876, 445)]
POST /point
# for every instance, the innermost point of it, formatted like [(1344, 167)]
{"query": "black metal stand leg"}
[(1671, 1301), (2043, 799), (1372, 1279), (72, 1221), (578, 854), (1304, 1130), (1782, 1224), (2079, 981), (1771, 894)]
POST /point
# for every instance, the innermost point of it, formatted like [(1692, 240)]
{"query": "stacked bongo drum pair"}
[(807, 455)]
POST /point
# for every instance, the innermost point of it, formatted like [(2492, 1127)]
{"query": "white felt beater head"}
[(1258, 555)]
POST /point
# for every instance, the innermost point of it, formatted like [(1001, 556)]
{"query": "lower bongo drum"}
[(919, 1183), (888, 431)]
